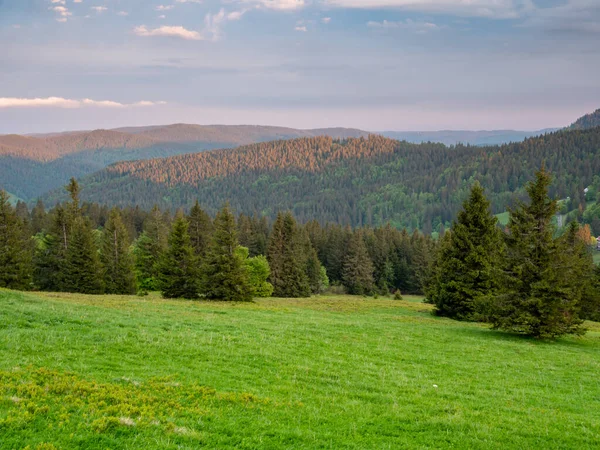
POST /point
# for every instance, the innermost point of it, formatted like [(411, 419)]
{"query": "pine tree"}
[(116, 258), (357, 270), (82, 270), (540, 294), (287, 259), (51, 251), (225, 275), (200, 229), (15, 249), (148, 250), (465, 274), (315, 271), (38, 217), (178, 271)]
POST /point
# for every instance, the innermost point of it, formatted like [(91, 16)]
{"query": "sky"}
[(370, 64)]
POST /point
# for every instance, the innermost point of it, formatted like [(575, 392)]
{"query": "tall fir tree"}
[(225, 276), (357, 269), (82, 269), (465, 276), (15, 248), (200, 229), (116, 258), (540, 294), (178, 269), (287, 259), (148, 250), (39, 220)]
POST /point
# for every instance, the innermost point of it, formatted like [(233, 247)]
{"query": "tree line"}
[(89, 248), (524, 279)]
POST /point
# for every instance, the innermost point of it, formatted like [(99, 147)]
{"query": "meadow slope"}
[(329, 372)]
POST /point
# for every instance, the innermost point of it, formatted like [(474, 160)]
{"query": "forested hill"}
[(32, 165), (356, 181), (591, 120)]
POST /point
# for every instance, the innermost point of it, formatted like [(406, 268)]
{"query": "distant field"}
[(331, 372)]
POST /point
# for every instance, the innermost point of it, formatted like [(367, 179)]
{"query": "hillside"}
[(33, 165), (357, 181), (339, 372), (591, 120)]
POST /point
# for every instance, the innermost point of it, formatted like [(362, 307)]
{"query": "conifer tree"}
[(116, 258), (51, 253), (178, 271), (540, 295), (357, 270), (316, 273), (225, 276), (200, 229), (148, 250), (287, 259), (38, 217), (465, 275), (82, 270), (15, 249)]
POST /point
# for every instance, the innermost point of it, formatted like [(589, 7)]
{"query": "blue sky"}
[(371, 64)]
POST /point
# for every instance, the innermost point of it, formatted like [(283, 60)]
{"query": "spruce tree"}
[(50, 254), (116, 258), (178, 271), (148, 250), (82, 271), (287, 259), (15, 249), (225, 276), (200, 229), (357, 269), (540, 293), (465, 275), (38, 217)]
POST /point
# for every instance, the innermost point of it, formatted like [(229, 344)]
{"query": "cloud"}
[(301, 28), (281, 5), (122, 13), (61, 2), (166, 31), (59, 102), (62, 11), (408, 24), (77, 1), (164, 8), (326, 20), (494, 9), (99, 9), (574, 17), (236, 15), (188, 1)]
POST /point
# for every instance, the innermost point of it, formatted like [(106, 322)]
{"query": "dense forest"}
[(591, 120), (526, 278), (365, 181), (33, 165)]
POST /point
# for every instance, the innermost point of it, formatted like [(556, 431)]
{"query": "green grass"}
[(503, 218), (596, 257), (330, 372)]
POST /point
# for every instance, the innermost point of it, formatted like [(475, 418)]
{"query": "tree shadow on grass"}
[(482, 332)]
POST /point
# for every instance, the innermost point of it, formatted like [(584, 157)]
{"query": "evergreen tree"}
[(316, 273), (38, 217), (15, 249), (357, 270), (51, 251), (225, 275), (200, 229), (287, 259), (115, 256), (465, 275), (541, 292), (82, 270), (148, 250), (178, 272)]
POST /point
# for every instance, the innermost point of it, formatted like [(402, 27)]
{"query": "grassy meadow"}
[(112, 372)]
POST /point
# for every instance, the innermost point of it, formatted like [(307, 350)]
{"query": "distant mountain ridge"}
[(591, 120), (357, 181), (32, 165), (453, 137)]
